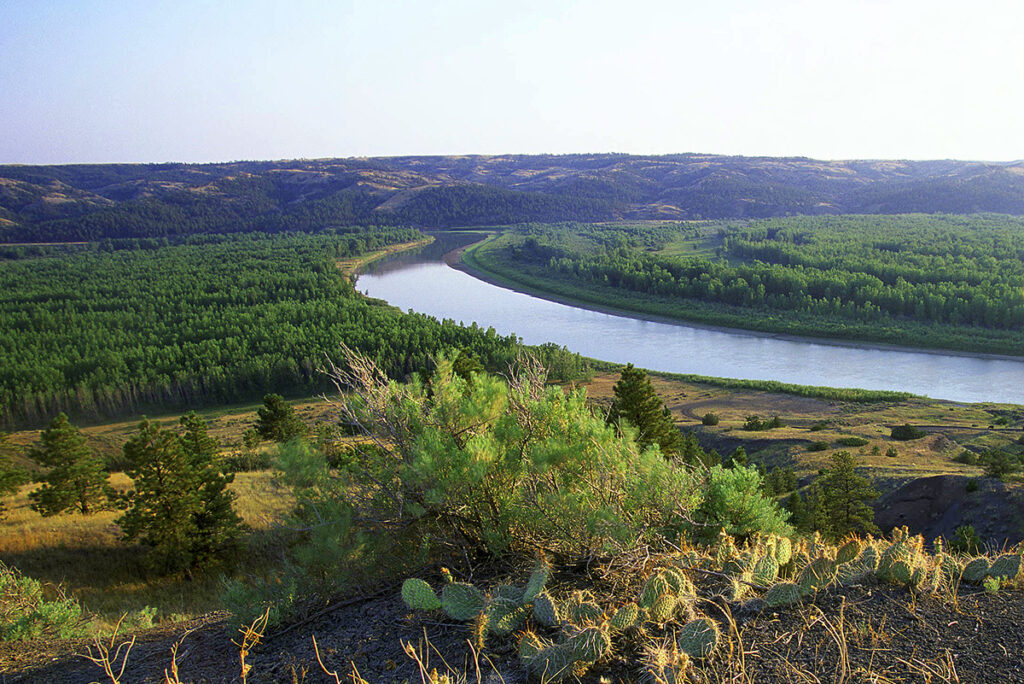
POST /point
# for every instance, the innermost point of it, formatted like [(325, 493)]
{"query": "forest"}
[(124, 326), (954, 282)]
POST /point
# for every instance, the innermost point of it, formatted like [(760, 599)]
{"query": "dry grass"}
[(84, 554)]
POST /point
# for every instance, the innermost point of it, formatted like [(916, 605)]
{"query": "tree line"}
[(953, 281)]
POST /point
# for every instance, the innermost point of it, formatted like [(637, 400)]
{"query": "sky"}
[(198, 81)]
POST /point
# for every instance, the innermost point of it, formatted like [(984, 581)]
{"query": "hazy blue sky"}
[(191, 80)]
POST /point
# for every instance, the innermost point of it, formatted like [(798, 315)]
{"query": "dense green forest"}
[(119, 327), (953, 282)]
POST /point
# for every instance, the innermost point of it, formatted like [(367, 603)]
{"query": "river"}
[(420, 280)]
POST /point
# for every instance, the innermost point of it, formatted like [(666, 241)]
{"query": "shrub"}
[(27, 615), (478, 466), (817, 446), (819, 426), (246, 462), (892, 452), (733, 503), (710, 419), (907, 432), (971, 486), (965, 540), (852, 441)]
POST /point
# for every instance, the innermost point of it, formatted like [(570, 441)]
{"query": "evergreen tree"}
[(842, 497), (76, 480), (180, 506), (277, 420), (637, 404)]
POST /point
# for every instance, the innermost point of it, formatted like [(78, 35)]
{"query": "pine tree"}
[(180, 506), (637, 404), (76, 480), (842, 497), (277, 420)]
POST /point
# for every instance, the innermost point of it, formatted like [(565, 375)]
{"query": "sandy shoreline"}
[(454, 259)]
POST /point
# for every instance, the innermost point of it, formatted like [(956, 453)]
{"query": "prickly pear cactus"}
[(662, 609), (553, 664), (1005, 568), (537, 580), (869, 557), (848, 551), (462, 601), (783, 594), (818, 574), (664, 663), (976, 570), (655, 587), (625, 617), (581, 609), (504, 616), (783, 550), (418, 595), (590, 644), (506, 592), (530, 644), (545, 610), (766, 570), (698, 639)]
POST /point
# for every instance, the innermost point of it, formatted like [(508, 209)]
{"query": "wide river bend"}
[(421, 280)]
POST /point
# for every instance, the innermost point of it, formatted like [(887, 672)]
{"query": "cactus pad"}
[(538, 579), (418, 595), (462, 601), (530, 644), (1006, 567), (662, 609), (848, 551), (625, 617), (545, 610), (698, 639), (976, 570), (816, 575), (783, 594), (783, 550), (590, 644), (553, 664), (766, 570)]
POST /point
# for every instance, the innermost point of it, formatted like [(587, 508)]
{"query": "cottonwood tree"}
[(76, 480), (637, 404), (179, 507)]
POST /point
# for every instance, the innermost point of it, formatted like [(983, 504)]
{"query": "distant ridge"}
[(79, 201)]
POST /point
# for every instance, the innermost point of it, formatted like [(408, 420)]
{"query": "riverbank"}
[(465, 259), (350, 267)]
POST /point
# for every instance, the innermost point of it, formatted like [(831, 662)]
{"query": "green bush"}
[(710, 419), (27, 615), (819, 426), (479, 466), (817, 446), (852, 441), (906, 432), (733, 503)]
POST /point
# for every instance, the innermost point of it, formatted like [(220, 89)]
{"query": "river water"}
[(420, 280)]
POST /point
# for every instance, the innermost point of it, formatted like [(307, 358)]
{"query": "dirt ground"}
[(873, 633)]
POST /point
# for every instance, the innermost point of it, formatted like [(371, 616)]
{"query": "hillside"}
[(85, 202)]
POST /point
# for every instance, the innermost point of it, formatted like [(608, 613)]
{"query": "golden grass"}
[(84, 554)]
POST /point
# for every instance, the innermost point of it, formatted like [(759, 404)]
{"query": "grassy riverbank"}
[(492, 258)]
